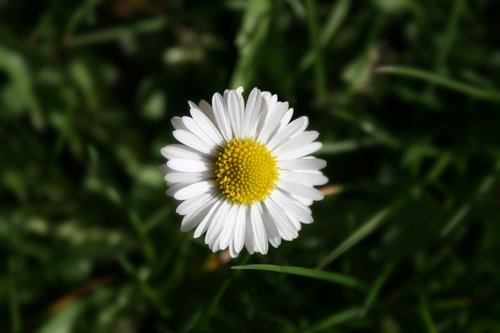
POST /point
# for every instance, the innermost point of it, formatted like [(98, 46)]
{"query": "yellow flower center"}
[(245, 171)]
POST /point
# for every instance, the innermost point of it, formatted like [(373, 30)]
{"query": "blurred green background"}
[(405, 94)]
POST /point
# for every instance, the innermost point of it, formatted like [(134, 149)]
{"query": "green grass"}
[(405, 95)]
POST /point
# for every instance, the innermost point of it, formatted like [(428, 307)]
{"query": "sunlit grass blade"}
[(116, 33), (363, 231), (440, 80), (344, 280), (335, 319)]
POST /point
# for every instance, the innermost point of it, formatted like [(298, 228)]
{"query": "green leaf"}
[(307, 272)]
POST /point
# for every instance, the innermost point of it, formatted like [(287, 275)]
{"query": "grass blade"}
[(319, 68), (440, 80), (377, 286), (144, 287), (451, 32), (336, 319), (307, 272), (358, 235), (462, 213), (15, 314), (116, 33), (252, 35), (347, 146)]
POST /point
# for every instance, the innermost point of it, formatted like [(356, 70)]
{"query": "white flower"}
[(244, 173)]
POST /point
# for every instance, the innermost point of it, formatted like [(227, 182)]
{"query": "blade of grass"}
[(144, 287), (250, 38), (336, 319), (440, 80), (15, 314), (451, 32), (141, 232), (368, 126), (426, 316), (377, 286), (346, 146), (464, 210), (115, 33), (337, 16), (202, 320), (367, 228), (344, 280), (319, 68)]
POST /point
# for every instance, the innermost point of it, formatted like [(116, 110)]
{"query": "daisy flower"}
[(243, 171)]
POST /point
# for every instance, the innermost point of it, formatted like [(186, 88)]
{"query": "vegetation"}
[(405, 94)]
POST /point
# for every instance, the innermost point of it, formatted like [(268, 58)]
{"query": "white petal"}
[(306, 178), (302, 164), (188, 165), (207, 220), (239, 230), (249, 236), (215, 227), (221, 117), (164, 168), (232, 251), (296, 142), (272, 122), (301, 190), (206, 125), (194, 204), (193, 127), (191, 140), (172, 189), (178, 124), (235, 114), (207, 110), (301, 151), (285, 133), (285, 228), (252, 112), (286, 118), (304, 201), (259, 231), (292, 207), (270, 226), (180, 151), (227, 232), (190, 221), (193, 190), (187, 177)]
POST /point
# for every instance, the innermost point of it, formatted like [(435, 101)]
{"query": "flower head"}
[(243, 171)]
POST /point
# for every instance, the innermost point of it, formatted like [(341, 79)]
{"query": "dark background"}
[(90, 243)]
